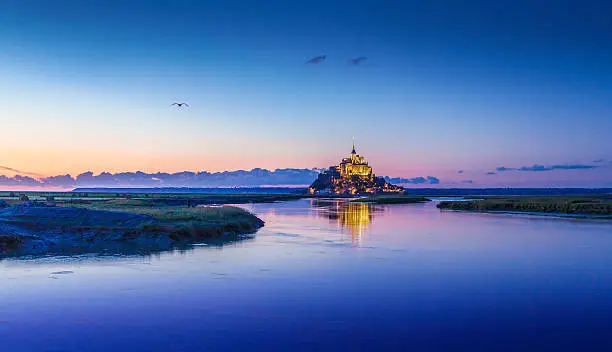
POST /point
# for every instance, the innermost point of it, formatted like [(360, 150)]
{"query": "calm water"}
[(334, 277)]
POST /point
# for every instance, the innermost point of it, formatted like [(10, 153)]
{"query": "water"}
[(330, 276)]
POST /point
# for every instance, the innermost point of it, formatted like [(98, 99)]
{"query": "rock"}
[(24, 198), (3, 204)]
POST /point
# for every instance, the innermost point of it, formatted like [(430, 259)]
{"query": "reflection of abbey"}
[(352, 176)]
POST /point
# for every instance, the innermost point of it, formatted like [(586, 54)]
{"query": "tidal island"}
[(352, 176)]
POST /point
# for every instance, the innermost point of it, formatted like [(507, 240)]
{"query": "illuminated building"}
[(352, 176)]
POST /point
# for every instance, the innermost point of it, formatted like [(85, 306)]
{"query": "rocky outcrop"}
[(328, 183)]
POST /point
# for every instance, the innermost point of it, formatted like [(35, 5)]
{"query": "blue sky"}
[(447, 86)]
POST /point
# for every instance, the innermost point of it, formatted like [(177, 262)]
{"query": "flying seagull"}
[(317, 59), (358, 60), (180, 105)]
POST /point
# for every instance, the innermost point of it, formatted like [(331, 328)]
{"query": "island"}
[(594, 206), (352, 177)]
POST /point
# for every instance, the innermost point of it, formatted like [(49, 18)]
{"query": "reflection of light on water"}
[(353, 217)]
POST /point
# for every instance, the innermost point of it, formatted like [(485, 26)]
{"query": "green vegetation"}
[(579, 206), (391, 199), (199, 221)]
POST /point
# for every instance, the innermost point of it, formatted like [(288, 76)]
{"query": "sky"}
[(449, 89)]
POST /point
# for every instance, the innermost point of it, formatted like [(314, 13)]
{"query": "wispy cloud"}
[(358, 60), (538, 167), (460, 171), (491, 173), (414, 181), (317, 59), (6, 168)]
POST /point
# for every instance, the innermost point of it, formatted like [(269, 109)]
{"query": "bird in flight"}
[(358, 60), (180, 105), (317, 59)]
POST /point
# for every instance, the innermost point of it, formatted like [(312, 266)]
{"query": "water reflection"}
[(355, 218), (133, 251)]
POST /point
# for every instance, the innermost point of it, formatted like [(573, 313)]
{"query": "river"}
[(327, 275)]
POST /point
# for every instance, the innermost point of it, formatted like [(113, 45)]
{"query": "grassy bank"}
[(391, 199), (117, 228), (579, 206), (183, 221)]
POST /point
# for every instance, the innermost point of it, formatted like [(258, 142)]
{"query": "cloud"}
[(460, 171), (9, 169), (19, 180), (317, 59), (599, 160), (467, 181), (413, 181), (238, 178), (8, 181), (538, 167), (6, 168), (534, 167), (491, 173), (433, 180), (573, 167), (62, 181), (358, 60)]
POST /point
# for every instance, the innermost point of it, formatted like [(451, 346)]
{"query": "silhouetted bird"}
[(358, 60), (317, 59), (180, 105)]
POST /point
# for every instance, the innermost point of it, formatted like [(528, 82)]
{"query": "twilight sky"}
[(447, 86)]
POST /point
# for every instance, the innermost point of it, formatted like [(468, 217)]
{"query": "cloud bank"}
[(413, 181), (240, 178)]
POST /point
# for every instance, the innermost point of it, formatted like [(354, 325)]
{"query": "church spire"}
[(353, 152)]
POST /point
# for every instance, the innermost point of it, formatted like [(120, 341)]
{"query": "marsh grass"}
[(599, 206), (183, 221)]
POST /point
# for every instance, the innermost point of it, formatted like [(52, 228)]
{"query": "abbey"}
[(353, 176)]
